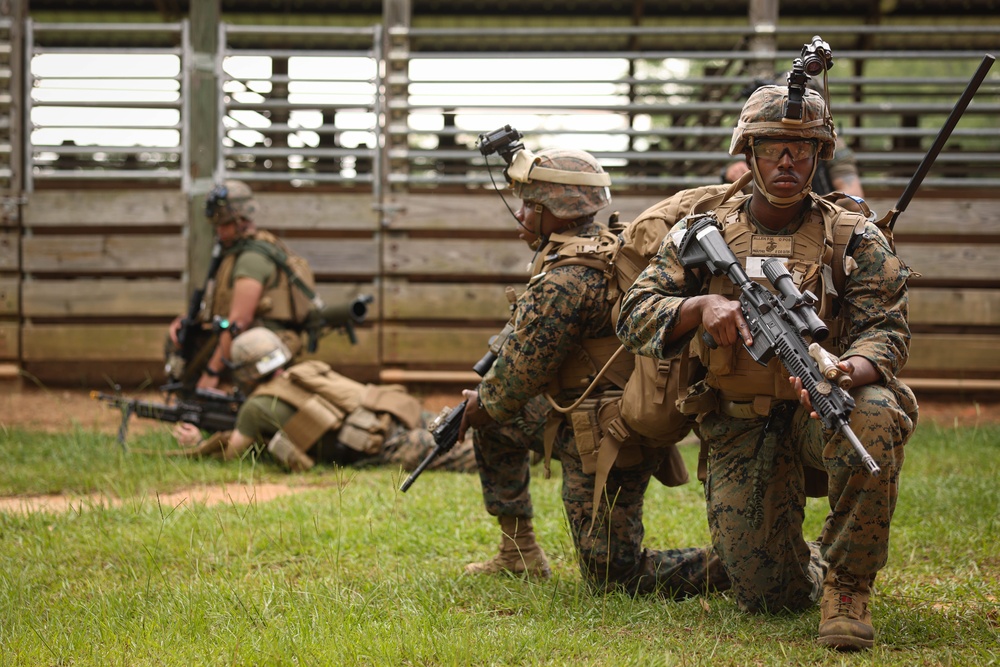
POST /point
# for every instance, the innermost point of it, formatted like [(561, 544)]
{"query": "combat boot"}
[(519, 552), (845, 621)]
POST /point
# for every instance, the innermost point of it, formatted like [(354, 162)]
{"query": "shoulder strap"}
[(271, 246), (713, 200), (841, 225)]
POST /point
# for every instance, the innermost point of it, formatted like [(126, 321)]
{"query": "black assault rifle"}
[(778, 324), (208, 410), (445, 426)]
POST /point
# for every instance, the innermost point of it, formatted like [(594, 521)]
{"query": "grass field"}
[(349, 571)]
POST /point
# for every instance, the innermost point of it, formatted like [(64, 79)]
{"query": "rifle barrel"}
[(866, 458), (956, 113), (419, 469)]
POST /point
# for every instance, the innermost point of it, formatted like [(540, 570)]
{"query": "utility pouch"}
[(648, 402), (364, 431), (586, 435), (698, 400)]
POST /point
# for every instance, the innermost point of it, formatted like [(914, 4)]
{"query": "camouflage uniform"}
[(756, 490), (561, 308)]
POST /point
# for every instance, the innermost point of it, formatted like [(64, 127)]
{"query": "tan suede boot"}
[(845, 621), (519, 552)]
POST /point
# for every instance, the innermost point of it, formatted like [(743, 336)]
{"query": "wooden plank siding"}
[(10, 294), (99, 275), (104, 273)]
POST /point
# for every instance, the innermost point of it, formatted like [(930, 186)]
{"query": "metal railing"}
[(6, 111), (97, 113), (310, 108), (307, 116)]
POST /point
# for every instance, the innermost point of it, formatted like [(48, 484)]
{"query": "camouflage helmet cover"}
[(233, 200), (763, 117), (256, 353), (547, 177)]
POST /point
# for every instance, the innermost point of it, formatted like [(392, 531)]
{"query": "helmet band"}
[(524, 168)]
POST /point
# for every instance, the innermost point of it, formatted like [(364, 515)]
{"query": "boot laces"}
[(846, 595)]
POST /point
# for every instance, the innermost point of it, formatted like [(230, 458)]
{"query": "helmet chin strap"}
[(537, 233), (783, 202)]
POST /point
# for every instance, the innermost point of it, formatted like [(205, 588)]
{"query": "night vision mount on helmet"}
[(230, 201), (794, 113), (570, 183)]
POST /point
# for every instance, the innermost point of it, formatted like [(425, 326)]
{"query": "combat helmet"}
[(763, 117), (570, 183), (230, 201), (256, 353)]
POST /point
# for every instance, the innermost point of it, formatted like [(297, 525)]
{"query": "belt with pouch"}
[(754, 409)]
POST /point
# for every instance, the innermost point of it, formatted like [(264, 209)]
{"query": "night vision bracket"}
[(816, 58)]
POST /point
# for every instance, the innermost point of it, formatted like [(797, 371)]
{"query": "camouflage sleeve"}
[(651, 307), (875, 305), (554, 315)]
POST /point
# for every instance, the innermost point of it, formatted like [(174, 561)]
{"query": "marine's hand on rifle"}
[(208, 382), (175, 326), (858, 369), (475, 415), (187, 435), (722, 319)]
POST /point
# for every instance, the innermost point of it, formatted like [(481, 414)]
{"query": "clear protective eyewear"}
[(773, 149)]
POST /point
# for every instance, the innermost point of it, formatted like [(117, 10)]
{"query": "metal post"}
[(763, 15), (202, 141)]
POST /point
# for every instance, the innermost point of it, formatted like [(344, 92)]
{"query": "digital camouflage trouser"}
[(760, 538), (611, 556)]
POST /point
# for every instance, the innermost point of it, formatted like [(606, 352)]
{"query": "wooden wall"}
[(102, 273)]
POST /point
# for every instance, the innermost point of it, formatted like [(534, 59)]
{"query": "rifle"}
[(196, 338), (191, 326), (778, 325), (208, 410), (939, 141), (444, 427)]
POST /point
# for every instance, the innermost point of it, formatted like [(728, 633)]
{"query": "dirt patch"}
[(242, 494), (59, 410), (63, 410)]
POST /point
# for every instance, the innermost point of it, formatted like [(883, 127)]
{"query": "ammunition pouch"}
[(364, 431)]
